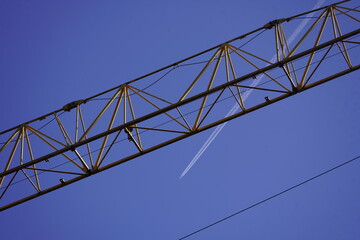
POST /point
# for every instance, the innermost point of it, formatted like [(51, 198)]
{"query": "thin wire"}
[(39, 127), (186, 114), (189, 64), (337, 14), (184, 65), (270, 198), (247, 42), (148, 86)]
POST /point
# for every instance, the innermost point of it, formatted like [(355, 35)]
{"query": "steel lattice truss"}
[(91, 135)]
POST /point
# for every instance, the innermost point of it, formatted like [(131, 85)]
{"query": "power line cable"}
[(269, 198)]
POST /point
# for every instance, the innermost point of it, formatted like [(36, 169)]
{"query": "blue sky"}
[(54, 52)]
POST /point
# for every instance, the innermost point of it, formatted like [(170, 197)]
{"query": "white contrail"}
[(236, 107)]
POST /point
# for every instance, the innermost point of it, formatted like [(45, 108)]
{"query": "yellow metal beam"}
[(140, 107)]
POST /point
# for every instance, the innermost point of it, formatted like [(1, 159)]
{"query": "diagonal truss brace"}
[(286, 57)]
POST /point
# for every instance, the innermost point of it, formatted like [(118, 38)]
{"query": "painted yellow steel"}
[(122, 116)]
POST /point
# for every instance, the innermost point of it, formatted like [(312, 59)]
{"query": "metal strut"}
[(129, 120)]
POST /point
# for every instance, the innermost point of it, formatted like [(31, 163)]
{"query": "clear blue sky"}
[(54, 52)]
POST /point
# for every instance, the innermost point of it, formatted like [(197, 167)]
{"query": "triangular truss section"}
[(91, 135)]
